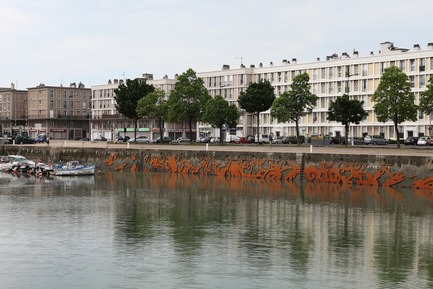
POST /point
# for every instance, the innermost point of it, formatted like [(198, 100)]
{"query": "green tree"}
[(426, 101), (154, 106), (188, 99), (219, 112), (393, 99), (346, 111), (257, 98), (296, 103), (127, 97)]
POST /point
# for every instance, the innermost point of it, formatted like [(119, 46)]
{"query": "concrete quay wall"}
[(380, 168)]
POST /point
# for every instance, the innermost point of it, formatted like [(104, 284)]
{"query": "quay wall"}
[(373, 170)]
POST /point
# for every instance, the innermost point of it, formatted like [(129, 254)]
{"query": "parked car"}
[(240, 139), (375, 140), (100, 139), (277, 140), (205, 139), (183, 139), (423, 141), (41, 138), (84, 139), (24, 140), (293, 140), (121, 139), (140, 139), (411, 140), (251, 139), (214, 139), (264, 139), (165, 139), (356, 140)]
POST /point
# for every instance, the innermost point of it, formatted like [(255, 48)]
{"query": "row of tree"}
[(190, 101)]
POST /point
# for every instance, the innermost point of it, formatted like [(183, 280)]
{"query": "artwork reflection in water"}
[(150, 230)]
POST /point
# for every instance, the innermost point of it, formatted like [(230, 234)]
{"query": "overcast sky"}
[(63, 41)]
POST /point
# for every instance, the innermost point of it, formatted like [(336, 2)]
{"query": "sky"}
[(65, 41)]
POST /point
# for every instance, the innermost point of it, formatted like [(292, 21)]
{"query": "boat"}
[(73, 168), (16, 163)]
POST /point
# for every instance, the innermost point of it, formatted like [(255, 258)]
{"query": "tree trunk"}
[(298, 139), (346, 133), (258, 127), (161, 130), (221, 136), (135, 128), (396, 131), (190, 129)]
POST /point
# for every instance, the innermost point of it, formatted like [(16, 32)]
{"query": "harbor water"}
[(153, 230)]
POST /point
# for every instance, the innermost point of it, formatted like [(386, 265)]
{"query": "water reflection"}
[(185, 231)]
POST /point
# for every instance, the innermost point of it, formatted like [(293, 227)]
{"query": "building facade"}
[(60, 112), (358, 76), (13, 111)]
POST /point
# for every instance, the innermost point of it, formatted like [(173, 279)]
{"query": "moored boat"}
[(73, 168)]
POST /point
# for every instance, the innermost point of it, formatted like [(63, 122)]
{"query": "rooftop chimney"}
[(294, 61), (226, 67)]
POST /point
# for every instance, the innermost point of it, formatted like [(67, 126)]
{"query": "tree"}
[(426, 101), (219, 112), (127, 97), (188, 99), (346, 111), (154, 106), (257, 98), (296, 103), (393, 99)]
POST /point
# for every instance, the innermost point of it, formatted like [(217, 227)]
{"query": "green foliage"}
[(426, 101), (296, 103), (393, 99), (127, 97), (257, 98), (188, 99), (346, 111), (154, 105), (219, 112)]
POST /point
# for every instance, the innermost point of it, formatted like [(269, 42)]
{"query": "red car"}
[(240, 139)]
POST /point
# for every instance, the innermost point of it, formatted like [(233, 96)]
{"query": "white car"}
[(15, 160), (423, 140), (140, 139)]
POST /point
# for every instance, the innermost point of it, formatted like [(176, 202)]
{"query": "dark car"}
[(24, 140), (41, 138), (411, 140), (251, 139), (293, 140), (100, 139), (165, 139)]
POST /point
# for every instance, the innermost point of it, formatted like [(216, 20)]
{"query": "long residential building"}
[(358, 76)]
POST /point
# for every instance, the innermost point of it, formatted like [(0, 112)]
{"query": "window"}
[(412, 64), (286, 76), (323, 102), (364, 85), (323, 88), (242, 79), (315, 88), (422, 64), (323, 73), (422, 81), (338, 71), (355, 85), (431, 63), (355, 69), (403, 65), (279, 76), (412, 81), (364, 69), (315, 74), (382, 67), (331, 88), (331, 72)]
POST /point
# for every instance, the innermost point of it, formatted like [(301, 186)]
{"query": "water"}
[(123, 230)]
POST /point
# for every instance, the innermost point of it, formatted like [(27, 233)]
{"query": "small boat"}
[(73, 168)]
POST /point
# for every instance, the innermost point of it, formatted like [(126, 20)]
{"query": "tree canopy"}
[(127, 97), (219, 112), (346, 111), (296, 103), (154, 106), (188, 99), (257, 98), (394, 100)]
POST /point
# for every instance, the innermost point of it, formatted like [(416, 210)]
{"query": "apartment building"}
[(13, 111), (61, 112), (353, 74), (107, 122)]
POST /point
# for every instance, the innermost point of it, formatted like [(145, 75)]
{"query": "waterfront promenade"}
[(350, 150)]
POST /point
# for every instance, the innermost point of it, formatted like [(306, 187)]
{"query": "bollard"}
[(207, 146), (127, 145), (311, 148)]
